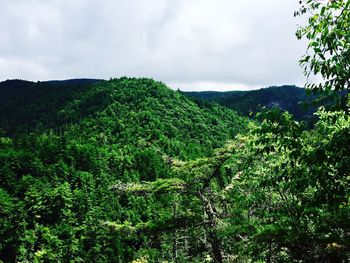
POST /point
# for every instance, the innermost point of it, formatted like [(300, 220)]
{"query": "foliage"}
[(132, 171), (128, 170), (292, 190), (328, 51), (60, 168)]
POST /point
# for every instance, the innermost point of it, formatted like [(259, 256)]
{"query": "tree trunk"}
[(212, 236), (175, 235)]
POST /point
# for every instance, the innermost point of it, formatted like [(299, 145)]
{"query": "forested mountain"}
[(25, 104), (289, 98), (128, 170), (65, 147), (83, 81), (142, 107)]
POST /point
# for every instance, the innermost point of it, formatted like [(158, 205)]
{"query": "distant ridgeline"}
[(289, 98), (26, 104)]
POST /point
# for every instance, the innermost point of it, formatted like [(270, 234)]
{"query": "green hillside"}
[(124, 110), (128, 170), (25, 104), (288, 98), (66, 145)]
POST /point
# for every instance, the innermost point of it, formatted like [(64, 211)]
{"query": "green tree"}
[(290, 193), (328, 53)]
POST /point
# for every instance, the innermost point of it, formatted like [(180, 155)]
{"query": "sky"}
[(187, 44)]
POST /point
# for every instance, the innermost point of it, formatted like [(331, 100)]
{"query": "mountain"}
[(63, 147), (82, 81), (146, 108), (23, 104), (128, 170), (289, 98)]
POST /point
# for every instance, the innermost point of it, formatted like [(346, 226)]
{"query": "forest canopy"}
[(128, 170)]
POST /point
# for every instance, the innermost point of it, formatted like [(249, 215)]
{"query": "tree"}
[(191, 203), (328, 52)]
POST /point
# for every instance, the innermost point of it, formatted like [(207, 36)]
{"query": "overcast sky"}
[(188, 44)]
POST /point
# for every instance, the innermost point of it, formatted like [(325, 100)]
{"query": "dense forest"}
[(293, 99), (128, 170), (61, 160)]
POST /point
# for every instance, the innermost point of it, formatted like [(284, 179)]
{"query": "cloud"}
[(183, 42)]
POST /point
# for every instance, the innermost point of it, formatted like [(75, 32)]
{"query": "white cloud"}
[(188, 42)]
